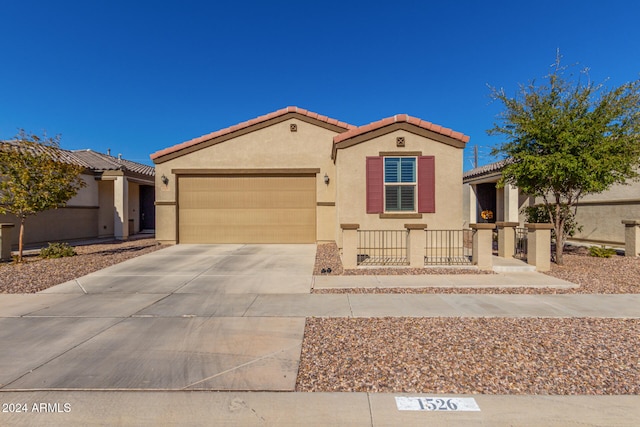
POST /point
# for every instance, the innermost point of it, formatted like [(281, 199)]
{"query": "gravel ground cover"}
[(489, 356), (36, 274), (615, 275), (465, 355), (431, 355)]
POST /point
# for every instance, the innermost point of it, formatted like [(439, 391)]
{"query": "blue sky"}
[(140, 76)]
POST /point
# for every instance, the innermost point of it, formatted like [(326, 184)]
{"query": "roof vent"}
[(108, 151), (119, 156)]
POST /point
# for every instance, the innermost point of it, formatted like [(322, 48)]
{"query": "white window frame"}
[(413, 184)]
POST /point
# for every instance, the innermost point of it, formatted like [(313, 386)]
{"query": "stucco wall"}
[(468, 206), (601, 214), (351, 194), (272, 147), (55, 225), (88, 195), (602, 223)]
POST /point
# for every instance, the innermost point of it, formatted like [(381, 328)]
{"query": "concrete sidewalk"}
[(151, 341), (525, 279), (140, 408), (187, 305)]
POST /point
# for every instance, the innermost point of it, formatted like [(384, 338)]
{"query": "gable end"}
[(248, 127)]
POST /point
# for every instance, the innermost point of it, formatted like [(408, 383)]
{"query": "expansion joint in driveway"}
[(350, 307)]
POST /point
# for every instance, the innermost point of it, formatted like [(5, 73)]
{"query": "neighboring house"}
[(293, 176), (600, 215), (117, 201), (480, 194)]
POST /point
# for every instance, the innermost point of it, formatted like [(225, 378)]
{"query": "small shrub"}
[(538, 213), (601, 252), (57, 250)]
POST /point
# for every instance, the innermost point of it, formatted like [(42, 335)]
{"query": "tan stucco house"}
[(294, 176), (117, 201), (600, 215)]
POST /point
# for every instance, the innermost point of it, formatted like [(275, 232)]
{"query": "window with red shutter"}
[(396, 200)]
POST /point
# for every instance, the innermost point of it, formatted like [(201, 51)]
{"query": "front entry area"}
[(247, 209)]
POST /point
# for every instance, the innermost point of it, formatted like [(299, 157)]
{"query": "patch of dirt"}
[(35, 274)]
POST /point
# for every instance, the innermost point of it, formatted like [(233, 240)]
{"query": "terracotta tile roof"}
[(58, 154), (489, 169), (101, 162), (400, 118), (89, 159), (249, 123)]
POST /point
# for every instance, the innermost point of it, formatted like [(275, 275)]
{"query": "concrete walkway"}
[(198, 408), (146, 342), (525, 279)]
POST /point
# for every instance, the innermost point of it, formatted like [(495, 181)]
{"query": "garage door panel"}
[(231, 184), (249, 200), (247, 209), (245, 217), (248, 234)]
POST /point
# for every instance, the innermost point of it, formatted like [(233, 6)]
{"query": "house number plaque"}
[(447, 404)]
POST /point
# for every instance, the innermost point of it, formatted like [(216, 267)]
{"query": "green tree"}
[(35, 176), (567, 138)]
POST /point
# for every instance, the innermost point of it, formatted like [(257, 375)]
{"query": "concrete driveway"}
[(175, 319)]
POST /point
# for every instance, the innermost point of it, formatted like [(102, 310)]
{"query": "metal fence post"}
[(349, 245)]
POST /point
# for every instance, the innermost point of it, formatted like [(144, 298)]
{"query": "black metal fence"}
[(520, 244), (449, 247), (382, 247)]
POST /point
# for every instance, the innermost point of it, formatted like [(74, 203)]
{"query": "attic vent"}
[(293, 127), (400, 141)]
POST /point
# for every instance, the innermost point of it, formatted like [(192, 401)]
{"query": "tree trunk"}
[(20, 239), (559, 230), (559, 250), (558, 225)]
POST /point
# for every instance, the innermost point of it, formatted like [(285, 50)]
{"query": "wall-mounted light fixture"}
[(164, 179), (326, 179)]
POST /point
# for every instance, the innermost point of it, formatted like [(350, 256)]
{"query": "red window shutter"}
[(427, 184), (375, 185)]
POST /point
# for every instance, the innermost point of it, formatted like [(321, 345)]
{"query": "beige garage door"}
[(247, 209)]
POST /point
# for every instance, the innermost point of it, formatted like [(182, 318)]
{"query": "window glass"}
[(408, 169), (391, 169), (400, 169)]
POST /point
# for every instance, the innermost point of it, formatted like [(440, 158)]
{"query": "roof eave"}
[(385, 126), (247, 127)]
